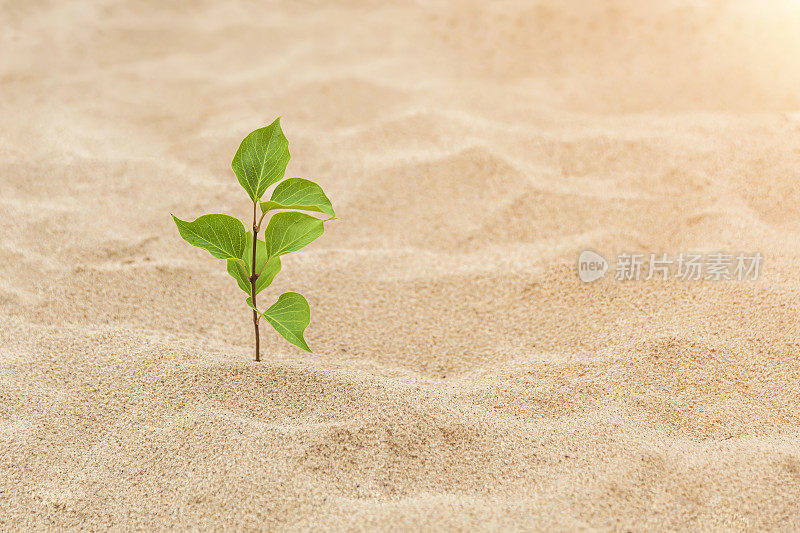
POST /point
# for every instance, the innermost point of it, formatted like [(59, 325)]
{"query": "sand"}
[(464, 378)]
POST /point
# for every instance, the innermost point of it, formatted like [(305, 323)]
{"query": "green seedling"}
[(259, 163)]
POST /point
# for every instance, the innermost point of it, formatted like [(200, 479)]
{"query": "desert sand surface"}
[(464, 377)]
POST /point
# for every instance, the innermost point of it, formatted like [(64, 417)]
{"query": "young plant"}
[(259, 163)]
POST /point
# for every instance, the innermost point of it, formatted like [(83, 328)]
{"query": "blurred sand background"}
[(464, 377)]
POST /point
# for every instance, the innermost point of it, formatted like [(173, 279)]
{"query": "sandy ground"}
[(464, 378)]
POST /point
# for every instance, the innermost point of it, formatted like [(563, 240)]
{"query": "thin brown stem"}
[(253, 278)]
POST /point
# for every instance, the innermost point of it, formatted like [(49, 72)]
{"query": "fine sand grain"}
[(464, 378)]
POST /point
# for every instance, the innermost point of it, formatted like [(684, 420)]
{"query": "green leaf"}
[(223, 236), (299, 193), (261, 159), (289, 231), (241, 272), (290, 316)]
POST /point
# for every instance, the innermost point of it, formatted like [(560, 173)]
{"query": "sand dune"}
[(464, 378)]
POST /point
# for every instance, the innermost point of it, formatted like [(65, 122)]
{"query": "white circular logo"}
[(591, 266)]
